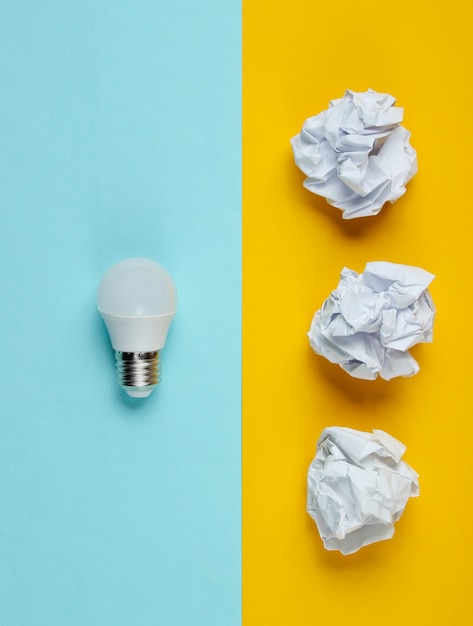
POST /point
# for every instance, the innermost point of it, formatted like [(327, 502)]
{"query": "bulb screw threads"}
[(138, 372)]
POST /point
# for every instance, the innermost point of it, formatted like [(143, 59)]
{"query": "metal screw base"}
[(138, 372)]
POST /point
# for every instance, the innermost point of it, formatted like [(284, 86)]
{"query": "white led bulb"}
[(137, 301)]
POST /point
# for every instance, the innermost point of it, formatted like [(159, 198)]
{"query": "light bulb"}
[(137, 301)]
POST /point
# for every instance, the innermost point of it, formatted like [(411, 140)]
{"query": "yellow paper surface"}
[(297, 57)]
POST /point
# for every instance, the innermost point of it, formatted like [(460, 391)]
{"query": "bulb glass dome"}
[(137, 287)]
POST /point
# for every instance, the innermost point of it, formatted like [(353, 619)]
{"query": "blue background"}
[(119, 136)]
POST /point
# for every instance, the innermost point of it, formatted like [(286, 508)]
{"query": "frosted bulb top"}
[(137, 288)]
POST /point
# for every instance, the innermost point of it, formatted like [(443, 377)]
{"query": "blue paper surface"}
[(119, 136)]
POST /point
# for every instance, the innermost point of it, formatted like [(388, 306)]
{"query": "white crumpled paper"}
[(368, 324), (356, 154), (357, 487)]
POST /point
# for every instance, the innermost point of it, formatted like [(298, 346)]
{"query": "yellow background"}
[(297, 56)]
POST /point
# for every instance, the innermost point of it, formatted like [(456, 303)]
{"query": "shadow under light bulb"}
[(137, 301)]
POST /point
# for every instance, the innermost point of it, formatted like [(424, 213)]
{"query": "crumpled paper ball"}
[(358, 487), (368, 324), (356, 154)]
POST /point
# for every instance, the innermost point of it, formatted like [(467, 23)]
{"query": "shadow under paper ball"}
[(369, 557), (362, 393), (318, 205)]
